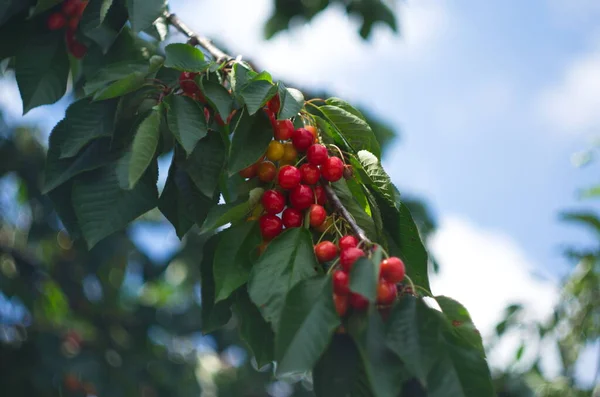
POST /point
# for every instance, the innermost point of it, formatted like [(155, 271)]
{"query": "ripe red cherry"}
[(187, 83), (70, 7), (266, 171), (392, 269), (302, 139), (341, 304), (316, 154), (56, 21), (310, 174), (301, 197), (248, 172), (326, 251), (317, 215), (320, 194), (386, 292), (284, 130), (341, 282), (332, 169), (348, 242), (349, 256), (78, 49), (270, 226), (292, 218), (358, 301), (273, 201), (274, 104), (289, 177)]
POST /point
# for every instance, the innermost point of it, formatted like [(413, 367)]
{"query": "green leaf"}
[(445, 363), (352, 128), (102, 22), (383, 368), (62, 203), (42, 70), (376, 175), (231, 212), (254, 330), (585, 218), (142, 13), (291, 101), (42, 5), (307, 322), (218, 97), (130, 83), (288, 259), (257, 93), (458, 316), (592, 192), (206, 163), (360, 216), (185, 58), (112, 73), (250, 140), (240, 77), (103, 208), (86, 121), (186, 121), (214, 315), (234, 257), (338, 369), (142, 150), (364, 276)]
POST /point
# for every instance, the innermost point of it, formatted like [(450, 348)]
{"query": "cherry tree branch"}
[(221, 56)]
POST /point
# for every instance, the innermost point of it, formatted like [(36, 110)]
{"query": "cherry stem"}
[(333, 265), (337, 204), (424, 290), (412, 285)]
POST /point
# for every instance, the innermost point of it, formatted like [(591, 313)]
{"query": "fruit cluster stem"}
[(195, 39), (338, 206)]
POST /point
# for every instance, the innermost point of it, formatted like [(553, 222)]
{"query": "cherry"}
[(332, 169), (290, 154), (275, 151), (326, 251), (292, 217), (392, 269), (73, 23), (248, 172), (78, 49), (317, 215), (310, 174), (358, 301), (56, 21), (289, 177), (313, 131), (341, 282), (270, 226), (348, 242), (301, 197), (284, 130), (325, 225), (341, 304), (302, 139), (266, 171), (386, 292), (273, 201), (71, 382), (187, 83), (348, 172), (81, 7), (70, 7), (320, 194), (349, 256), (274, 104), (316, 154)]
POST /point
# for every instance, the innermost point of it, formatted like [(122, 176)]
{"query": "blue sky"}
[(492, 99)]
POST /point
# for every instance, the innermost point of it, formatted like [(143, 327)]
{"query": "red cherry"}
[(270, 226), (310, 174), (187, 83), (56, 21), (320, 194), (284, 130), (292, 217), (78, 49), (248, 172), (358, 301), (301, 197), (316, 154), (317, 215), (386, 292), (81, 7), (273, 201), (332, 169), (70, 7), (341, 304), (341, 282), (326, 251), (73, 23), (302, 139), (289, 177), (349, 256), (348, 242), (392, 269), (266, 171), (274, 104)]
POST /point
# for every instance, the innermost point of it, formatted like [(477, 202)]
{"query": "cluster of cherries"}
[(69, 16), (391, 272)]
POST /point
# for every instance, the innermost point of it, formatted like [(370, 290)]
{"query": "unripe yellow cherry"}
[(275, 151), (290, 154)]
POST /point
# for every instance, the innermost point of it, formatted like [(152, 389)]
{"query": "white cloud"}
[(573, 104)]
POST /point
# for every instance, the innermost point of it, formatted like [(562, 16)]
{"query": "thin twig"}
[(337, 204)]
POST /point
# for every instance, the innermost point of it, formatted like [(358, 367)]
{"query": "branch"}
[(338, 206), (194, 39)]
